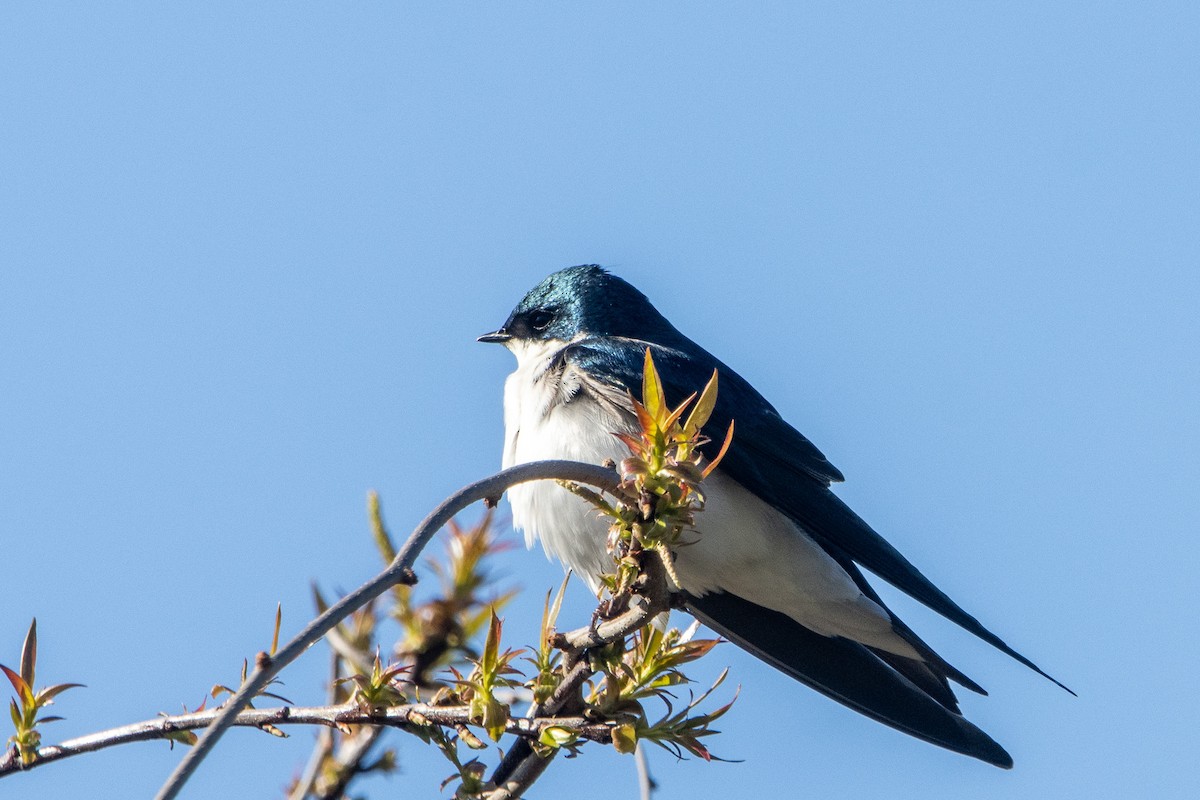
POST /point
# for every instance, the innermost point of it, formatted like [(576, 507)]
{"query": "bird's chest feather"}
[(552, 411)]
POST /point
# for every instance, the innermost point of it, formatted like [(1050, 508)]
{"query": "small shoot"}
[(439, 632), (470, 775), (546, 657), (676, 732), (221, 689), (491, 672), (380, 689), (25, 709)]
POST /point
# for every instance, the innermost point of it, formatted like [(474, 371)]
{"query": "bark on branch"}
[(408, 716)]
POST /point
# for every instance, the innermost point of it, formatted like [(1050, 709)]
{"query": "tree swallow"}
[(776, 568)]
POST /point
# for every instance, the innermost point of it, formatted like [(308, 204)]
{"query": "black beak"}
[(496, 337)]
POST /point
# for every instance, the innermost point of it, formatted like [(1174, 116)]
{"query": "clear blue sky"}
[(246, 251)]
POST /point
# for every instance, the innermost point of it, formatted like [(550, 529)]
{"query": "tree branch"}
[(410, 716), (646, 783), (399, 571), (521, 766)]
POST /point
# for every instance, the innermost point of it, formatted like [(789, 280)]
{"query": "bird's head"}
[(580, 301)]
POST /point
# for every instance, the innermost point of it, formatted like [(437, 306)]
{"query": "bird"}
[(778, 565)]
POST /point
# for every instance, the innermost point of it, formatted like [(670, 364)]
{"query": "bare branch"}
[(646, 784), (399, 571), (527, 770), (408, 716), (324, 744), (348, 760)]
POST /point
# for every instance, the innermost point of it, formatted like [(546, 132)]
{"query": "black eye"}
[(540, 320)]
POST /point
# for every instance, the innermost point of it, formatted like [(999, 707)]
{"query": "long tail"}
[(844, 671)]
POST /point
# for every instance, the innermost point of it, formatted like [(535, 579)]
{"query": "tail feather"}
[(923, 676), (940, 668), (849, 673)]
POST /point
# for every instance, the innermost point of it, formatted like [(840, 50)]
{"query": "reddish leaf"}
[(645, 418), (29, 654), (24, 691), (701, 646), (724, 449), (274, 696), (49, 693), (633, 444), (278, 620)]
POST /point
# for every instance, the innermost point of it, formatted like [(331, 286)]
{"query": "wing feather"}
[(776, 462)]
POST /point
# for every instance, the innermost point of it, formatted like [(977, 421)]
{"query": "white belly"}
[(744, 547), (537, 426)]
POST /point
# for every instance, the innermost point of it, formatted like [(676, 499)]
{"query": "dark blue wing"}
[(774, 461), (844, 671)]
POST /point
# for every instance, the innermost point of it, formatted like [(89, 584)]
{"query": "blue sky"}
[(246, 252)]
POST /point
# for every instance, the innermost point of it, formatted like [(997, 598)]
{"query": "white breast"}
[(549, 415), (745, 546)]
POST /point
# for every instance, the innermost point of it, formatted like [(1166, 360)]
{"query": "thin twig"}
[(349, 758), (523, 775), (324, 745), (646, 784), (399, 571), (358, 660), (521, 766), (410, 716)]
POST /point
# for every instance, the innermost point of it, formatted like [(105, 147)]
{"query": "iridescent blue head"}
[(582, 301)]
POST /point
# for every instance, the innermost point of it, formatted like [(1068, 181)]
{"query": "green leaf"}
[(183, 737), (624, 738), (550, 617), (490, 660), (383, 541), (652, 390), (493, 716), (557, 736), (704, 407)]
